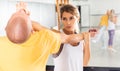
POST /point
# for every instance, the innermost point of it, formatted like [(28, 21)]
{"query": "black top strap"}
[(58, 53)]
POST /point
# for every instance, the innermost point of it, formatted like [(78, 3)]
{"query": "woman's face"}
[(69, 21)]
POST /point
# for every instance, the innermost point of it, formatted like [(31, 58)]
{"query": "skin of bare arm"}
[(86, 50), (73, 39)]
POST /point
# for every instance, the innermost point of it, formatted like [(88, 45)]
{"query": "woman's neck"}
[(68, 32)]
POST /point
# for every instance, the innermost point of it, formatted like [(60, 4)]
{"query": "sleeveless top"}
[(111, 25), (70, 58)]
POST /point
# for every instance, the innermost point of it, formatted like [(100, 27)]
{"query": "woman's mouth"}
[(68, 26)]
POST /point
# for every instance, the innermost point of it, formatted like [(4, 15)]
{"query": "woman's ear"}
[(78, 19)]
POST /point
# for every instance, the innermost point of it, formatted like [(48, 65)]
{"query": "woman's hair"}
[(70, 9), (112, 11), (112, 14)]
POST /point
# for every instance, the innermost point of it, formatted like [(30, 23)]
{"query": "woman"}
[(71, 58), (111, 28)]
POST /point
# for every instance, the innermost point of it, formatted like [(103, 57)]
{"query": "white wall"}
[(5, 11), (40, 12), (47, 15)]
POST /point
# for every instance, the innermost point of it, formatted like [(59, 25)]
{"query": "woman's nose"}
[(68, 22)]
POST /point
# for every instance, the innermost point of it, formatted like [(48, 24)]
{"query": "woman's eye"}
[(71, 18), (64, 19)]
